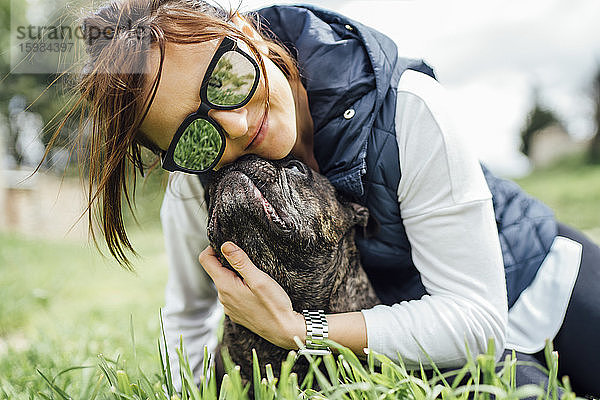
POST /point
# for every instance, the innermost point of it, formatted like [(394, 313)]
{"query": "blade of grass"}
[(553, 376), (166, 364), (271, 377), (331, 368), (131, 331), (212, 386), (460, 376), (97, 387), (187, 377), (256, 378), (235, 378), (71, 369), (432, 363), (353, 361), (488, 364), (322, 381), (55, 388), (123, 383), (146, 386), (110, 374), (205, 378), (295, 390), (284, 388), (513, 371), (223, 395)]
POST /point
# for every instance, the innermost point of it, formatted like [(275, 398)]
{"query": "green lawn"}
[(61, 304), (572, 190)]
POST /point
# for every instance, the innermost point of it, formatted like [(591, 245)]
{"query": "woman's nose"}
[(235, 122)]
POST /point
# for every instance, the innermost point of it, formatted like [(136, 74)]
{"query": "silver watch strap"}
[(316, 330)]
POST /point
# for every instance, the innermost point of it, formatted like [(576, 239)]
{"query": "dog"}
[(295, 227)]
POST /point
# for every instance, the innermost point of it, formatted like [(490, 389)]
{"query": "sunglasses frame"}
[(227, 44)]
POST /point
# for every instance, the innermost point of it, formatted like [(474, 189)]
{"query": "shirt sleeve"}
[(447, 211), (192, 309)]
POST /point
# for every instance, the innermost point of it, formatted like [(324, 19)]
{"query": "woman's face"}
[(179, 95)]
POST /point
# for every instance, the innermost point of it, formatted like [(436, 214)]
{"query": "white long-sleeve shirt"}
[(447, 212)]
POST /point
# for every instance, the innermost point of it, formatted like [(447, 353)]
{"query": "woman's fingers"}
[(253, 277), (211, 264), (257, 302), (224, 279)]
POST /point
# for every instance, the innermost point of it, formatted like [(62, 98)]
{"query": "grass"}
[(571, 188), (341, 377), (61, 305)]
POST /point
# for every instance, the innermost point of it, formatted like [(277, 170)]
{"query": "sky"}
[(490, 55)]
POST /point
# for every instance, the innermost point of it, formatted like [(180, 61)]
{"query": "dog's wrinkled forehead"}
[(265, 173), (258, 169), (284, 196)]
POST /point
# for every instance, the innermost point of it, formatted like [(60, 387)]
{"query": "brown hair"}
[(112, 100)]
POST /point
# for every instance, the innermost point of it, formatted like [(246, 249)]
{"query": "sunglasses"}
[(229, 83)]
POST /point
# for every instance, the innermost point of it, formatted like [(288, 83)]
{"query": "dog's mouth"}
[(256, 203), (270, 211)]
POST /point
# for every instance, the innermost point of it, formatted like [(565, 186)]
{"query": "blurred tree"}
[(594, 152), (538, 118), (32, 87)]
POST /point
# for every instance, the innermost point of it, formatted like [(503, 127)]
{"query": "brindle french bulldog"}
[(294, 226)]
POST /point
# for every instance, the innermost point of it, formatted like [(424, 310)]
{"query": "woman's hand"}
[(256, 302)]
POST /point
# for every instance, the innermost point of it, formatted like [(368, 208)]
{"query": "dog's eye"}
[(296, 167)]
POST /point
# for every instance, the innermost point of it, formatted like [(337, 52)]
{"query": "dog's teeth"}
[(270, 210)]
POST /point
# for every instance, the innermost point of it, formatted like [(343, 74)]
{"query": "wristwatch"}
[(316, 330)]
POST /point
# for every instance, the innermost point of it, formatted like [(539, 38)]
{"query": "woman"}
[(448, 260)]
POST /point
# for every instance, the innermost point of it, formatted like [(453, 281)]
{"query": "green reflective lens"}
[(198, 147), (231, 81)]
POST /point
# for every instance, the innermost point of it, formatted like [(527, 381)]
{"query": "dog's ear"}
[(360, 214), (362, 218)]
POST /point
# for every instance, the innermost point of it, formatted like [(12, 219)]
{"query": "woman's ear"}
[(242, 24)]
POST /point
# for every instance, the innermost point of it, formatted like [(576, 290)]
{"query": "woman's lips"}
[(260, 135)]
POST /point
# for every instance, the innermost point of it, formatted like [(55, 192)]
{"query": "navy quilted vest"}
[(351, 72)]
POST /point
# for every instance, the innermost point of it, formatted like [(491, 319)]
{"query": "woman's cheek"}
[(229, 155), (282, 140)]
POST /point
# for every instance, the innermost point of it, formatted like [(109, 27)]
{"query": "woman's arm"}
[(449, 220), (261, 305)]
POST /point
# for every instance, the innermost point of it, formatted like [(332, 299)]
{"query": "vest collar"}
[(344, 65)]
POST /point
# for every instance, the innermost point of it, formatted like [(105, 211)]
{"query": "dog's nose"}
[(258, 169)]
